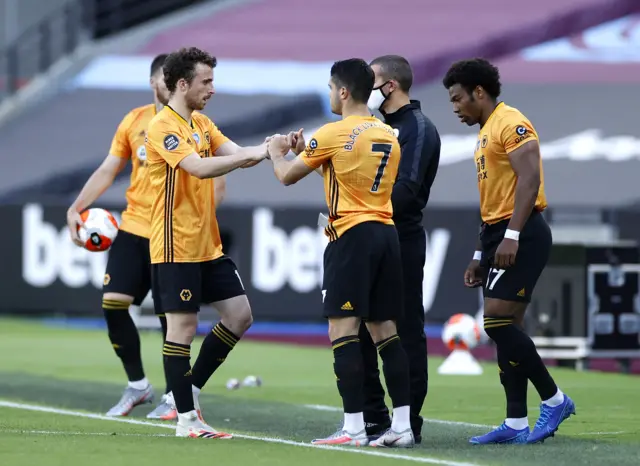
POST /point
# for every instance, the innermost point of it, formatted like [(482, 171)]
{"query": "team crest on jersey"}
[(207, 138), (484, 141), (196, 137), (142, 153), (171, 142)]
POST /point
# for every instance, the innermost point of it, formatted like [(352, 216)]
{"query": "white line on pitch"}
[(603, 433), (361, 451), (90, 434), (431, 421)]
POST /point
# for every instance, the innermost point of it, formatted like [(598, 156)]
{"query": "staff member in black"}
[(420, 146)]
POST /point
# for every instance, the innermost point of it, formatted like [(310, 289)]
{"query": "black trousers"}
[(411, 332)]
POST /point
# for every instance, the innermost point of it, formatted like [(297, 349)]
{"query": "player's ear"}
[(344, 93), (478, 92)]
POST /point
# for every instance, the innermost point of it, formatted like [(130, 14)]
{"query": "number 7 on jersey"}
[(385, 150)]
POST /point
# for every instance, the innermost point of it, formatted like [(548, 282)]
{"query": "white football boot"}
[(190, 425), (393, 439)]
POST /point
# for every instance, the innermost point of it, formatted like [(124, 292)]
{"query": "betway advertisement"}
[(278, 252)]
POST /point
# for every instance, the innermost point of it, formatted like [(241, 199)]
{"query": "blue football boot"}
[(502, 435), (550, 419)]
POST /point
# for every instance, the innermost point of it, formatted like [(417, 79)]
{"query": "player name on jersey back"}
[(359, 157)]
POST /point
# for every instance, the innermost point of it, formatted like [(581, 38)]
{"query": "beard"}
[(162, 97), (195, 103), (336, 108)]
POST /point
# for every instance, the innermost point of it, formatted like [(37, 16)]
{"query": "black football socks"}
[(124, 337)]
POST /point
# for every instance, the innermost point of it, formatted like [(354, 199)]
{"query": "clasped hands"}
[(279, 145)]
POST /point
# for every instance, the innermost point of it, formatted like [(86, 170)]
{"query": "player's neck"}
[(159, 105), (355, 110), (181, 108), (487, 112), (393, 105)]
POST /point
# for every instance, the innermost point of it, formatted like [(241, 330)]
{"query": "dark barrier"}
[(278, 252), (113, 16)]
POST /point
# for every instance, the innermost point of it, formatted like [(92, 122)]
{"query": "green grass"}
[(77, 370)]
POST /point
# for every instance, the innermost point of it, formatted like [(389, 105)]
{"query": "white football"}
[(461, 331), (233, 384), (99, 229), (252, 381)]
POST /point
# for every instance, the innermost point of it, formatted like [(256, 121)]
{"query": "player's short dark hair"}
[(157, 63), (356, 76), (182, 65), (472, 73), (397, 68)]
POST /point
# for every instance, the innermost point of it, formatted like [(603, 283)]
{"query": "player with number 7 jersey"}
[(359, 158), (354, 154)]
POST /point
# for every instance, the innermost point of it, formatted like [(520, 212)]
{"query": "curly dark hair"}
[(470, 74), (182, 65)]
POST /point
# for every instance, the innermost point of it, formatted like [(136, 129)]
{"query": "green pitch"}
[(56, 383)]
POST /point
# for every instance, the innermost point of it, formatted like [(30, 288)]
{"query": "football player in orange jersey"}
[(128, 275), (358, 157), (186, 154), (513, 247)]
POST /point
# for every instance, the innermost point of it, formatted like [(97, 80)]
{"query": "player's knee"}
[(236, 314), (181, 327), (518, 318), (244, 321), (500, 308), (340, 327), (382, 330)]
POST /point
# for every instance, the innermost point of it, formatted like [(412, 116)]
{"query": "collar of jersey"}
[(493, 113), (179, 116), (398, 114)]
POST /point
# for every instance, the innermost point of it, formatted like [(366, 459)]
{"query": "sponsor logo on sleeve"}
[(311, 147), (522, 134)]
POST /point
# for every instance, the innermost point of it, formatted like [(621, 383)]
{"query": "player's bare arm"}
[(213, 167), (525, 161), (231, 148), (95, 186), (288, 172), (219, 190), (298, 144)]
